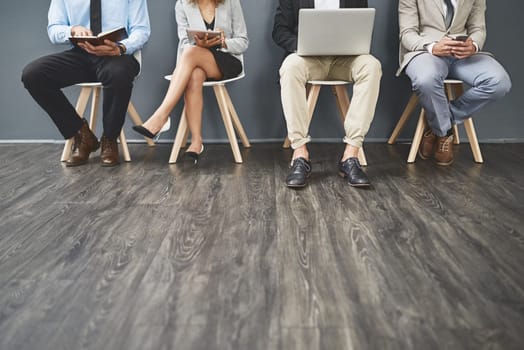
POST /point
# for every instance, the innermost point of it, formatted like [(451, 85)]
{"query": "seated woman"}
[(200, 58)]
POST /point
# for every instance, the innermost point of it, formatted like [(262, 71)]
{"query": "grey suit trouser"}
[(488, 80)]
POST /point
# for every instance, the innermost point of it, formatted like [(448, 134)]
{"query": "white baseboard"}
[(272, 140)]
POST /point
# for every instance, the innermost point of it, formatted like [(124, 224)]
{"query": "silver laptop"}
[(339, 32)]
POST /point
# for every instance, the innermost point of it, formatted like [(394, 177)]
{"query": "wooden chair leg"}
[(342, 99), (453, 91), (228, 123), (362, 157), (456, 136), (312, 99), (418, 137), (473, 141), (81, 105), (180, 137), (450, 90), (125, 148), (95, 101), (410, 107), (135, 117), (185, 140), (236, 121)]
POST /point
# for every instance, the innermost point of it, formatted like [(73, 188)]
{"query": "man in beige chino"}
[(364, 71)]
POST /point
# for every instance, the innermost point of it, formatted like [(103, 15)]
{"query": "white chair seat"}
[(93, 84), (453, 81), (328, 82), (215, 82)]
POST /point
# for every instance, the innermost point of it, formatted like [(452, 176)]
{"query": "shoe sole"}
[(109, 165), (72, 165), (444, 163), (296, 186), (83, 163), (423, 156), (359, 185), (342, 175), (300, 186)]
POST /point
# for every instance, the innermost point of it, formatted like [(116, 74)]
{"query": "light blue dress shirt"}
[(131, 14)]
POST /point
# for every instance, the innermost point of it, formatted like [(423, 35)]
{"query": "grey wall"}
[(23, 24)]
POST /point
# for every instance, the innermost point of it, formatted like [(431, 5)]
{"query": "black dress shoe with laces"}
[(298, 173), (351, 170)]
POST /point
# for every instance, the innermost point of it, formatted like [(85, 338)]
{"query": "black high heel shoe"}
[(145, 132), (194, 156)]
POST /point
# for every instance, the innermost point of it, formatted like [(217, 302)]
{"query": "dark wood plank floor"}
[(224, 256)]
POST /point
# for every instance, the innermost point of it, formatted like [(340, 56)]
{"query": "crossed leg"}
[(184, 76)]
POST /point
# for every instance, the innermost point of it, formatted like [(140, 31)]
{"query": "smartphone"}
[(461, 37)]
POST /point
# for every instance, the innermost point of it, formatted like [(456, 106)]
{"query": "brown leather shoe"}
[(109, 152), (84, 143), (444, 150), (428, 144)]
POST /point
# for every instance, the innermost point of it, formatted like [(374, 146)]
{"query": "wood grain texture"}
[(224, 256)]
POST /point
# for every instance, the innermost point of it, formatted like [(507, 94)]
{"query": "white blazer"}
[(228, 17)]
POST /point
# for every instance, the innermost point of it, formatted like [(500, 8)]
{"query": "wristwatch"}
[(122, 49)]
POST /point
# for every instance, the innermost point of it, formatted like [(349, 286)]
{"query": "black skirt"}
[(229, 65)]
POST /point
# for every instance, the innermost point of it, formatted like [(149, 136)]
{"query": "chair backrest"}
[(138, 57), (241, 58)]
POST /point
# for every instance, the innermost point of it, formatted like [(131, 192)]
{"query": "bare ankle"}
[(195, 146), (301, 152), (350, 152), (155, 123)]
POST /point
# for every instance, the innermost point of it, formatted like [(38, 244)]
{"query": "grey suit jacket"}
[(423, 22), (228, 17)]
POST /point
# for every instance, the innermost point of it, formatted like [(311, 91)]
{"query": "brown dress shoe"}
[(84, 142), (109, 152), (428, 144), (444, 150)]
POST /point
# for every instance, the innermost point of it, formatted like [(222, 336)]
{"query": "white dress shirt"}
[(453, 2), (328, 4)]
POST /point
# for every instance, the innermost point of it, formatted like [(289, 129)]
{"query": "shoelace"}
[(300, 164), (78, 141), (109, 146), (354, 162), (444, 146)]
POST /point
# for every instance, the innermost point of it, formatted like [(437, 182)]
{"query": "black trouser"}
[(45, 77)]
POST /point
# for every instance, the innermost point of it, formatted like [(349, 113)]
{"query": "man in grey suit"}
[(442, 39)]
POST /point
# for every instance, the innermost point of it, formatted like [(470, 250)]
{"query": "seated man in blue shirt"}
[(112, 64)]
